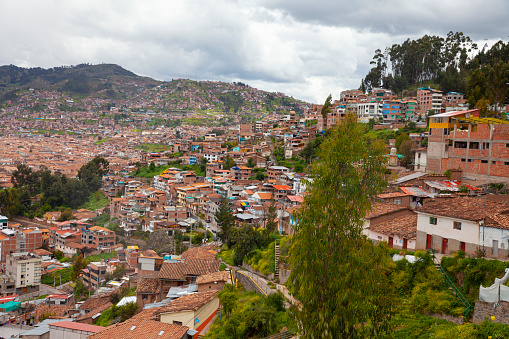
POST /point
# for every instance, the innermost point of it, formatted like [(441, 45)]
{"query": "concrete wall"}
[(397, 240), (65, 333), (187, 318)]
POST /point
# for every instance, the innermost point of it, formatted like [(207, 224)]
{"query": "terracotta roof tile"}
[(383, 208), (190, 302), (404, 226), (204, 252), (212, 277), (190, 267), (148, 285), (140, 328), (467, 208)]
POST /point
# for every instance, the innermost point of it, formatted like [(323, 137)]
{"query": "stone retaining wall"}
[(485, 309)]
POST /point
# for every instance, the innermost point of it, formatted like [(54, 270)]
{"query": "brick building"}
[(20, 240), (462, 140)]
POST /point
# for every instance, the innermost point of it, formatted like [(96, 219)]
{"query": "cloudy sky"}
[(306, 49)]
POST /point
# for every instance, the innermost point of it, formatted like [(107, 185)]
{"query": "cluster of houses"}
[(176, 298)]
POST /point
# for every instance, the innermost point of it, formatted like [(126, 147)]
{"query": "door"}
[(405, 244), (428, 242), (495, 248), (445, 242), (391, 241), (462, 246)]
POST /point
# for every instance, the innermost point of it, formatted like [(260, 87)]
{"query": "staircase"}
[(452, 287), (276, 260)]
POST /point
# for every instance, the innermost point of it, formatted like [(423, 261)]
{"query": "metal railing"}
[(454, 288)]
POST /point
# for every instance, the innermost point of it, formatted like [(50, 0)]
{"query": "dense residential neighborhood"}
[(144, 251)]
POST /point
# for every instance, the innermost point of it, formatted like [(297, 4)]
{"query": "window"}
[(470, 160), (484, 161), (177, 322), (460, 144), (507, 145), (433, 220), (456, 225), (397, 201), (485, 145), (463, 160), (493, 162), (474, 145), (506, 163)]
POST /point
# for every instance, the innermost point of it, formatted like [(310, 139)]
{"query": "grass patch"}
[(60, 276), (148, 147), (145, 172), (226, 255), (98, 257), (102, 141), (96, 201)]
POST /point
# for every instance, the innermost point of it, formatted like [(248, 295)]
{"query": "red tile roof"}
[(404, 226), (383, 208), (141, 329), (190, 302), (77, 326)]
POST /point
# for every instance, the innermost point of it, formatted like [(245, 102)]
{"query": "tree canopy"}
[(339, 277)]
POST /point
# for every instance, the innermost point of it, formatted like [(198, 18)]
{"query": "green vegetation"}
[(102, 141), (98, 257), (96, 201), (149, 171), (248, 315), (58, 191), (226, 255), (55, 278), (116, 314), (330, 259), (451, 63), (148, 147)]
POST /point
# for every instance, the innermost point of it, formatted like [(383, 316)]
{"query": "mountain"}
[(83, 79), (123, 88)]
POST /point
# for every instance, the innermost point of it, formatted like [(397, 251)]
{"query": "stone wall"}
[(485, 309), (248, 284), (252, 270), (451, 318), (284, 274)]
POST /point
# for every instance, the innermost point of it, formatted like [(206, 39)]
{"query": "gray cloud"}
[(302, 48)]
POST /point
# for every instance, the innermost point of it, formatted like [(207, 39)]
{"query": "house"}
[(193, 310), (212, 281), (71, 329), (183, 273), (142, 329), (468, 224), (386, 213), (400, 232)]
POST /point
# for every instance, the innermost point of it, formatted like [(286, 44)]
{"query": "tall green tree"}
[(225, 220), (228, 162), (339, 277), (326, 108), (271, 216)]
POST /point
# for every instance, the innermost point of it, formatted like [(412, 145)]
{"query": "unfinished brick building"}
[(463, 140)]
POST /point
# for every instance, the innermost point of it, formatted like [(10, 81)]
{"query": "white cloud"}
[(304, 49)]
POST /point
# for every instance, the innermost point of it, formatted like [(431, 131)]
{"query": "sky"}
[(305, 49)]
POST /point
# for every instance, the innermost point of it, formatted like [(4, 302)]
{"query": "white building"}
[(25, 268), (462, 223), (369, 110)]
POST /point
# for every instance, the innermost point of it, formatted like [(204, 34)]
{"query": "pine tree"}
[(339, 277)]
